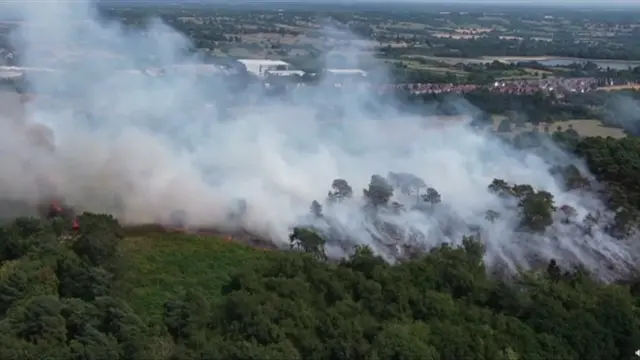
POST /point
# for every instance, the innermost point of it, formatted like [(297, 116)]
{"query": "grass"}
[(584, 127), (417, 65), (160, 267), (593, 128)]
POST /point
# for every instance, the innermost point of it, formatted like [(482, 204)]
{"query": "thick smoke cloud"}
[(143, 147)]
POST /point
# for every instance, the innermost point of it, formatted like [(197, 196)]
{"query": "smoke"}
[(147, 147), (622, 111)]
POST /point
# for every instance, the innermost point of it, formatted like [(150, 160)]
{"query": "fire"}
[(56, 209), (75, 225)]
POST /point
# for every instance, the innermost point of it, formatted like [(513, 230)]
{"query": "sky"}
[(612, 4), (510, 2)]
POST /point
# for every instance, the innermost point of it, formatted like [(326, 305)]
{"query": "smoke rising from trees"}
[(144, 148)]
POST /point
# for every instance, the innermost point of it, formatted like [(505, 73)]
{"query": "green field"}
[(584, 127), (160, 267)]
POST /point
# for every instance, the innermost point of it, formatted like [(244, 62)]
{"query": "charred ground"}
[(534, 215)]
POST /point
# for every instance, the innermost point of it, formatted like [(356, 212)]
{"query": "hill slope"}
[(107, 292), (160, 266)]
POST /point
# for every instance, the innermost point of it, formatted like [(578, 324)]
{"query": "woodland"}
[(68, 293)]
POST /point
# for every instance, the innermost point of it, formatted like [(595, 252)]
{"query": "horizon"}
[(612, 5)]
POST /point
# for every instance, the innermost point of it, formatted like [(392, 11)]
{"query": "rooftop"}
[(262, 62), (285, 72), (347, 71)]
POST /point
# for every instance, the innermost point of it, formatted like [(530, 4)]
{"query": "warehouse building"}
[(347, 72), (339, 77), (260, 67), (284, 73)]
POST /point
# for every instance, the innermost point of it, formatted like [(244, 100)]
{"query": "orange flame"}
[(75, 225)]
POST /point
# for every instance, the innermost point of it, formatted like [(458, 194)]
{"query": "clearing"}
[(584, 127), (591, 128)]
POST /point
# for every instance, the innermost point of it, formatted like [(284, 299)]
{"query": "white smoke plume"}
[(143, 147)]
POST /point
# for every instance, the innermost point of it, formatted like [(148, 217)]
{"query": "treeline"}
[(59, 302), (61, 298), (57, 297), (616, 108), (496, 46), (487, 74), (535, 108)]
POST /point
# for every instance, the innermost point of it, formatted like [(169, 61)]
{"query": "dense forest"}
[(64, 294)]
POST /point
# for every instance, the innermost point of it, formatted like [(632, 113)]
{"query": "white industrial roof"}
[(9, 74), (347, 71), (285, 72), (259, 66), (266, 62)]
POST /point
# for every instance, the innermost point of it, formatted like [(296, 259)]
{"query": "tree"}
[(23, 236), (379, 191), (340, 190), (536, 210), (500, 188), (404, 341), (522, 191), (98, 240), (568, 213), (589, 222), (553, 270), (186, 319), (92, 344), (117, 319), (308, 241), (432, 196), (40, 320), (316, 209), (408, 184), (78, 279), (624, 223), (492, 215)]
